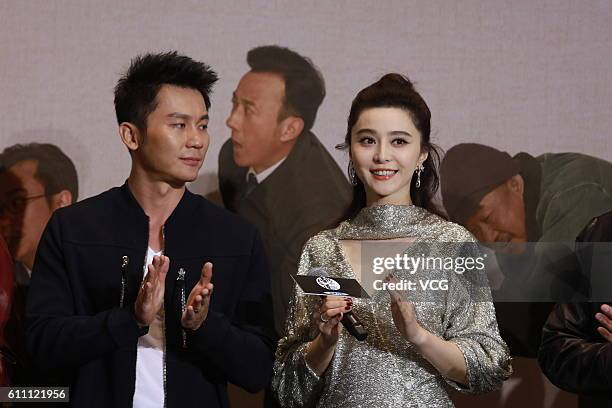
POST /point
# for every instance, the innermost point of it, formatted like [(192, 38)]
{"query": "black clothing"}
[(91, 256)]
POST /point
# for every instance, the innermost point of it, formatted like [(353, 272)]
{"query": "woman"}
[(413, 349)]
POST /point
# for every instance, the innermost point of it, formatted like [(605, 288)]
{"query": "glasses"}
[(17, 205)]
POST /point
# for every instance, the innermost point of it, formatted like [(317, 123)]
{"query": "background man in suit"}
[(6, 294), (274, 171), (35, 180)]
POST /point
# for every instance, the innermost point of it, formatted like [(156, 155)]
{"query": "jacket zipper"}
[(124, 263), (181, 282), (164, 328)]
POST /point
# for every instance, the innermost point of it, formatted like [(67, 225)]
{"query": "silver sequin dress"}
[(386, 370)]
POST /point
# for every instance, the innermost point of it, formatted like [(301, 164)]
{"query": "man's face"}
[(176, 140), (256, 132), (25, 210), (500, 218)]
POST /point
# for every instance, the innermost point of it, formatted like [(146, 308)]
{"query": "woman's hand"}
[(444, 355), (328, 318), (320, 351), (404, 316)]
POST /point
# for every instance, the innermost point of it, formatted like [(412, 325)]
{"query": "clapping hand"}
[(605, 320), (404, 315), (151, 294), (199, 300)]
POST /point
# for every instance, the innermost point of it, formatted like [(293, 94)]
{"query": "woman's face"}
[(386, 150)]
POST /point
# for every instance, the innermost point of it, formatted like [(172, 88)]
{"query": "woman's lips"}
[(383, 174)]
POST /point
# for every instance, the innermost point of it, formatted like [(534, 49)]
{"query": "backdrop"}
[(521, 76)]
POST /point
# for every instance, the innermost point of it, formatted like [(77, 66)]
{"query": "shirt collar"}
[(264, 174)]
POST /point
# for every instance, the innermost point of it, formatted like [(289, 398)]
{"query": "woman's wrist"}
[(321, 346), (420, 338), (319, 354)]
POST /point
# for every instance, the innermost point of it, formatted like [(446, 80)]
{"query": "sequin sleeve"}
[(471, 324), (294, 383)]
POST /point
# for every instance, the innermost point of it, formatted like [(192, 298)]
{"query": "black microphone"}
[(352, 325), (350, 321)]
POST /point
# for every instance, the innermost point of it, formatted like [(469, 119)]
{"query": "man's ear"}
[(61, 199), (291, 127), (130, 135), (516, 184)]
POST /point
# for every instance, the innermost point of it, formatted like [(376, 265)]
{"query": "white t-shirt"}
[(149, 391)]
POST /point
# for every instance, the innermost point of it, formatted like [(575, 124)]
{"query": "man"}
[(509, 201), (6, 294), (503, 199), (274, 171), (576, 349), (35, 180), (153, 334)]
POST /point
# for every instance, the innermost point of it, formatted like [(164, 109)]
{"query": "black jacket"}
[(75, 322), (573, 355)]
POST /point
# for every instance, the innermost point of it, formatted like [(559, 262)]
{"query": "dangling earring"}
[(351, 173), (418, 170)]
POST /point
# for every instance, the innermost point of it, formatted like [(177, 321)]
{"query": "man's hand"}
[(199, 300), (605, 320), (151, 294)]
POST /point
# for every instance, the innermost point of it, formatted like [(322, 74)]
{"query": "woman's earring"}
[(418, 170), (351, 173)]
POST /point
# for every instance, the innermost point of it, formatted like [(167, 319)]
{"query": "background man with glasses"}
[(35, 180)]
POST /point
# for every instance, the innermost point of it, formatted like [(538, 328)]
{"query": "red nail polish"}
[(347, 307)]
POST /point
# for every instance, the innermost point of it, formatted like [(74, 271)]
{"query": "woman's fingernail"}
[(347, 307)]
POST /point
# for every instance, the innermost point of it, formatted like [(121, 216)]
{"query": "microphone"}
[(350, 321), (352, 325)]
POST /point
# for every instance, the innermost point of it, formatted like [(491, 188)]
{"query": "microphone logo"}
[(327, 283)]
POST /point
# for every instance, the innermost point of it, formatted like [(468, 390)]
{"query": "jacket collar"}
[(135, 219), (531, 171), (277, 181)]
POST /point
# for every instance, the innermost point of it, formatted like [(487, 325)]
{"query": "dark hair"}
[(396, 91), (304, 84), (55, 170), (136, 91)]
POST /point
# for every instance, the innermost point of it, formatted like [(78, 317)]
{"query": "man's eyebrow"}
[(179, 115), (243, 100), (185, 116)]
